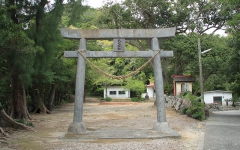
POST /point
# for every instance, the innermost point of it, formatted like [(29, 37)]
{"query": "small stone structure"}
[(179, 103), (176, 102), (182, 83), (217, 107)]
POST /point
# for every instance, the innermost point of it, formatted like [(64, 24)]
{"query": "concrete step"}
[(93, 99), (121, 100), (98, 99)]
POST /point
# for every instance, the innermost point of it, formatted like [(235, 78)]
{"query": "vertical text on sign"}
[(119, 45)]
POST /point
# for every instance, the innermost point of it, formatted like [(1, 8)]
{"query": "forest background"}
[(35, 77)]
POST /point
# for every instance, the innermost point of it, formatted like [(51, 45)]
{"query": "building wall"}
[(150, 91), (208, 96), (116, 92), (178, 88)]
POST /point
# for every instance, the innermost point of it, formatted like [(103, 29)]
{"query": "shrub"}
[(30, 124), (22, 121), (136, 99), (64, 101), (183, 111), (108, 99), (185, 93), (198, 115), (196, 109)]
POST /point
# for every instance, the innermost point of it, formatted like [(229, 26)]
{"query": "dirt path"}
[(143, 115)]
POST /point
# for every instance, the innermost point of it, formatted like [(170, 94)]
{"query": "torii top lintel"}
[(118, 33)]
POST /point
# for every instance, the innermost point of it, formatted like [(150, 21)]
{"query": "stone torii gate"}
[(118, 36)]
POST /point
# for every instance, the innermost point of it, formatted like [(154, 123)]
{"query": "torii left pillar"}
[(78, 126)]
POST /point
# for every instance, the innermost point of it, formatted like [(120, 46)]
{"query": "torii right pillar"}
[(161, 124)]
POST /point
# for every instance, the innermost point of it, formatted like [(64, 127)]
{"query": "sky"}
[(97, 3), (94, 3)]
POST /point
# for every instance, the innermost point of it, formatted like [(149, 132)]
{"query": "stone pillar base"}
[(77, 127), (162, 127)]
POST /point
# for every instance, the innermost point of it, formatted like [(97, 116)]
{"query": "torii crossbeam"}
[(118, 36)]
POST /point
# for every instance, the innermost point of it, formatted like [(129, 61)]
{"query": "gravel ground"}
[(143, 115)]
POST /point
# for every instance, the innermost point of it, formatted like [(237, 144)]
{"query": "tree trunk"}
[(58, 99), (18, 107), (52, 97), (38, 103), (164, 69), (85, 93), (6, 121)]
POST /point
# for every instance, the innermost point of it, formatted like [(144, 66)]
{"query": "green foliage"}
[(234, 99), (233, 69), (23, 121), (155, 13), (17, 49), (5, 90), (198, 114), (29, 100), (134, 99), (183, 111), (135, 85), (31, 46), (142, 99), (184, 47), (95, 80), (73, 13), (137, 99), (108, 99), (196, 109), (185, 93), (233, 21), (64, 101), (168, 88), (214, 63), (35, 53), (30, 124)]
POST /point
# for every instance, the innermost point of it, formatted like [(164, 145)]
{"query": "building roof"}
[(151, 85), (183, 78), (218, 91)]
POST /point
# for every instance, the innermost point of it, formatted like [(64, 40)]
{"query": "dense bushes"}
[(136, 99), (108, 99), (196, 108)]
